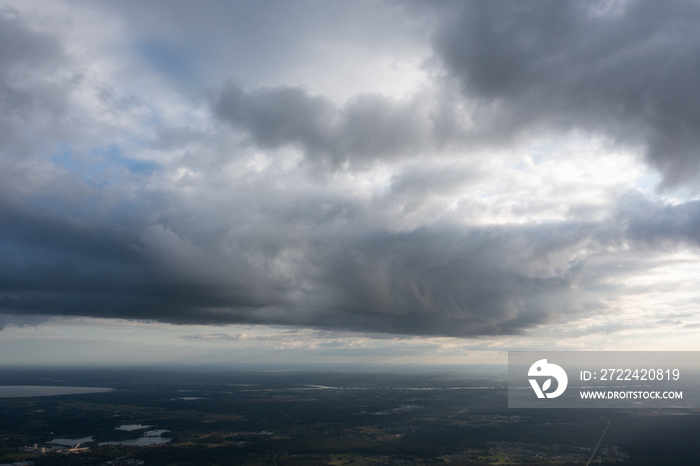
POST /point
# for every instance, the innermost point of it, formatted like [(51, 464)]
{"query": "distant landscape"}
[(190, 416)]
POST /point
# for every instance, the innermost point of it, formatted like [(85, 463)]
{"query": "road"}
[(598, 444)]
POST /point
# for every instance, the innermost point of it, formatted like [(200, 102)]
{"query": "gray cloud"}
[(369, 127), (661, 225), (444, 281), (24, 54), (33, 103), (623, 69), (440, 280), (118, 268)]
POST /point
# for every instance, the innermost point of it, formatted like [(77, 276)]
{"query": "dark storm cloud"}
[(57, 266), (624, 69), (368, 127), (435, 281), (316, 261), (441, 280), (446, 280)]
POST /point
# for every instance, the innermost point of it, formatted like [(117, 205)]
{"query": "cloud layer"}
[(623, 69), (151, 175)]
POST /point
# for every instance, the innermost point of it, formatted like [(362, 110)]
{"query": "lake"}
[(17, 391)]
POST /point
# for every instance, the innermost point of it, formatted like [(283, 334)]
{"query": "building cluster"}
[(79, 448)]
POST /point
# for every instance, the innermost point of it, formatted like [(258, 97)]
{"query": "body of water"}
[(17, 391)]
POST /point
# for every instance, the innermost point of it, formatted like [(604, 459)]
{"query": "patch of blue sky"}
[(104, 158), (649, 183), (651, 186), (65, 158), (112, 154), (166, 59)]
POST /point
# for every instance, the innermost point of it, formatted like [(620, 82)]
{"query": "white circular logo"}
[(543, 369)]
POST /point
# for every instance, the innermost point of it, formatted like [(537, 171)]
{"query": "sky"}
[(379, 182)]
